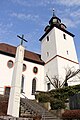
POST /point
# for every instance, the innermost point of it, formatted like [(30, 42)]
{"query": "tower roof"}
[(55, 22)]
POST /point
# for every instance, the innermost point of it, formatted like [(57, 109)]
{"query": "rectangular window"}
[(64, 36), (47, 38), (67, 52), (47, 54), (48, 86)]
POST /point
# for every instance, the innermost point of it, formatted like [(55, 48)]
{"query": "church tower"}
[(57, 50)]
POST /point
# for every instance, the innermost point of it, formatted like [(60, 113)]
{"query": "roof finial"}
[(53, 13)]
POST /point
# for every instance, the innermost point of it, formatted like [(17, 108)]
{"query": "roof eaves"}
[(58, 28)]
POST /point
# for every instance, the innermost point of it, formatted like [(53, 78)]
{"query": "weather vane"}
[(22, 39)]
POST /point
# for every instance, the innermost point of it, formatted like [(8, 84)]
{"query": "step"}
[(33, 105), (13, 118)]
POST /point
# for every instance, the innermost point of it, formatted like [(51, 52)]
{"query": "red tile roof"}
[(28, 56)]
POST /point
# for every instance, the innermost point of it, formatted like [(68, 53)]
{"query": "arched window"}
[(24, 67), (33, 86), (22, 84)]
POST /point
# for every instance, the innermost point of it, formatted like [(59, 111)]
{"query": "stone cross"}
[(22, 39), (14, 98)]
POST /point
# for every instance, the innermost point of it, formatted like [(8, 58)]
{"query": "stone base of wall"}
[(58, 112)]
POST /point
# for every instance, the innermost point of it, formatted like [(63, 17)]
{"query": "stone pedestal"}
[(14, 98)]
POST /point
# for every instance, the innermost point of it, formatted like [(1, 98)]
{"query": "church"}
[(57, 53)]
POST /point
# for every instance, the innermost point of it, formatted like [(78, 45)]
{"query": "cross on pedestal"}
[(22, 39), (14, 98)]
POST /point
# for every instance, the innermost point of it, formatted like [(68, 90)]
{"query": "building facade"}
[(57, 53)]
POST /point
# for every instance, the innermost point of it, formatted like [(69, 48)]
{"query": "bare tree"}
[(54, 81), (69, 74)]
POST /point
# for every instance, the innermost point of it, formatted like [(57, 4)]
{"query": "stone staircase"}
[(3, 110), (30, 108)]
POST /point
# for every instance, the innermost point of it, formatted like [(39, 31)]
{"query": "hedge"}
[(58, 97)]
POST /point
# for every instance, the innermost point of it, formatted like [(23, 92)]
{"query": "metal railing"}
[(36, 108), (28, 105)]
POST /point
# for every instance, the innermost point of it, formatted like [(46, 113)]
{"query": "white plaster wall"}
[(5, 72), (64, 45), (29, 76), (6, 76), (48, 46), (51, 69), (57, 67), (65, 64), (57, 45)]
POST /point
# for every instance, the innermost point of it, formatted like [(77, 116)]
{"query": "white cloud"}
[(33, 3), (68, 22), (68, 2), (19, 15), (70, 17), (75, 14), (20, 2), (46, 2), (31, 17), (23, 16), (9, 25), (5, 29)]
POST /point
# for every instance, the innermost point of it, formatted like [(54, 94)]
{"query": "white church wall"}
[(29, 75), (6, 73)]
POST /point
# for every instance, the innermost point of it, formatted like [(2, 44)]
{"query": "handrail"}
[(41, 111), (30, 105)]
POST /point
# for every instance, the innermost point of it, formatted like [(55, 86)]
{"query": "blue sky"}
[(29, 17)]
